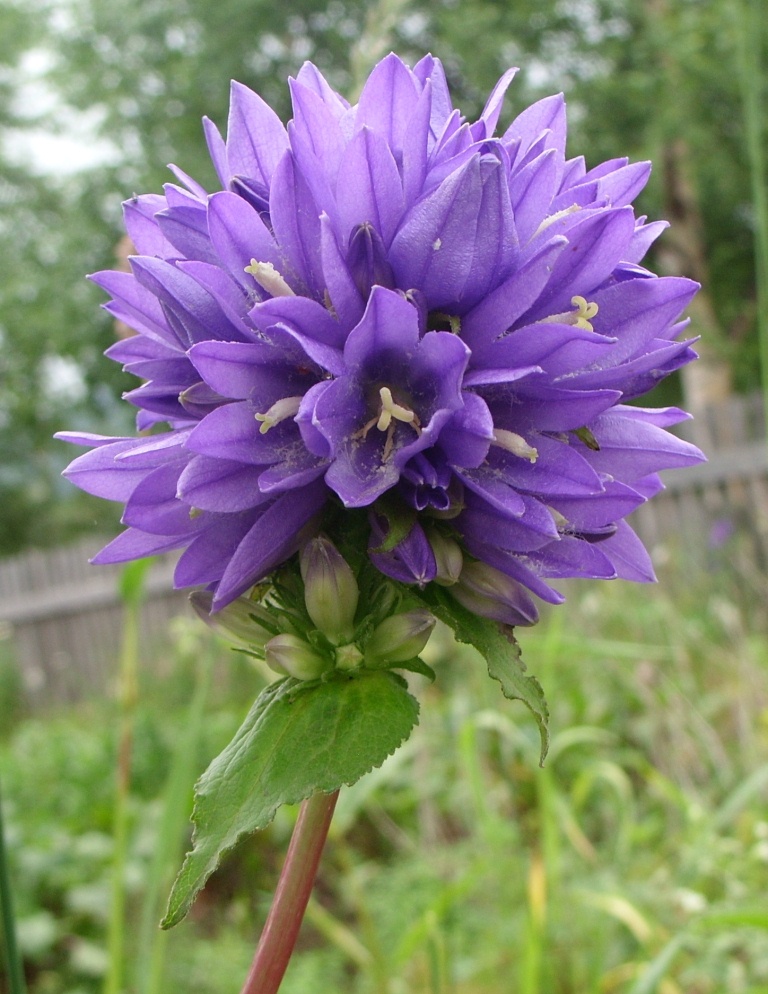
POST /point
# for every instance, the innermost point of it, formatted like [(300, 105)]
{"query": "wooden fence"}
[(717, 512), (62, 618)]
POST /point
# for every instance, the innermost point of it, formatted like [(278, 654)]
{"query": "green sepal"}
[(417, 665), (400, 520), (585, 435), (498, 646), (298, 738)]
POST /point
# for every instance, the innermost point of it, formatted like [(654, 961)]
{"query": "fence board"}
[(64, 618)]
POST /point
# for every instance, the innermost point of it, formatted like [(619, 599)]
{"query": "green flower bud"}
[(292, 656), (330, 590), (399, 638), (448, 556), (238, 622)]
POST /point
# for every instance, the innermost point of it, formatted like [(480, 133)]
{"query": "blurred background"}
[(636, 861)]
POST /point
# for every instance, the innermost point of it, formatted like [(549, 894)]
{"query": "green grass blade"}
[(169, 845), (16, 983)]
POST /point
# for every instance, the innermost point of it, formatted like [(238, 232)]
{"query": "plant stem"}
[(16, 984), (285, 916)]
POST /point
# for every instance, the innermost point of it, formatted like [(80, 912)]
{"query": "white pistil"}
[(510, 441), (389, 413), (288, 407), (268, 277), (580, 318), (584, 312), (389, 410)]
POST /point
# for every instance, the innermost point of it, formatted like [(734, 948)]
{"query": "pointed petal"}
[(276, 534), (296, 223), (239, 235), (370, 188), (220, 485), (387, 101), (136, 544), (256, 138)]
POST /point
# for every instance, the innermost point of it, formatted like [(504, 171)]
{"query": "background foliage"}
[(634, 862), (122, 89)]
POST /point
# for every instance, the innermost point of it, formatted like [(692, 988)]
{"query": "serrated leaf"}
[(297, 739), (498, 646)]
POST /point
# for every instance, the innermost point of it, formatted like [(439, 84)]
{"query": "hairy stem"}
[(285, 916)]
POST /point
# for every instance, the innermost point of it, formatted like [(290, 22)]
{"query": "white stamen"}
[(288, 407), (510, 441), (268, 277), (555, 217)]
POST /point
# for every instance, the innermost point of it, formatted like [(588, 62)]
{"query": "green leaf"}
[(297, 739), (498, 646)]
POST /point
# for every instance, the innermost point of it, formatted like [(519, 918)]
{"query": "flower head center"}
[(391, 409), (389, 413)]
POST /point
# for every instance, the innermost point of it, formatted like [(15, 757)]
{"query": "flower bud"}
[(292, 656), (490, 593), (399, 638), (330, 590), (448, 557), (238, 622)]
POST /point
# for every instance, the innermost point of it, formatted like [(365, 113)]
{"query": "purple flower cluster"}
[(390, 309)]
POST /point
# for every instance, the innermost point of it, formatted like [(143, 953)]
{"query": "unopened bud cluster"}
[(344, 642), (335, 639), (331, 596)]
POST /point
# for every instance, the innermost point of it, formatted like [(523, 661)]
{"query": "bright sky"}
[(58, 149)]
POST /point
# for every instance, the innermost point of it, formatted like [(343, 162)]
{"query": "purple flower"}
[(390, 309)]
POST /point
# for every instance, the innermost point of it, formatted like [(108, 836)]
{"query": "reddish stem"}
[(292, 895)]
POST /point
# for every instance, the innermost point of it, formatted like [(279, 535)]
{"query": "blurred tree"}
[(654, 80)]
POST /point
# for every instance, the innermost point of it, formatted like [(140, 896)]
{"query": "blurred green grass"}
[(635, 861)]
